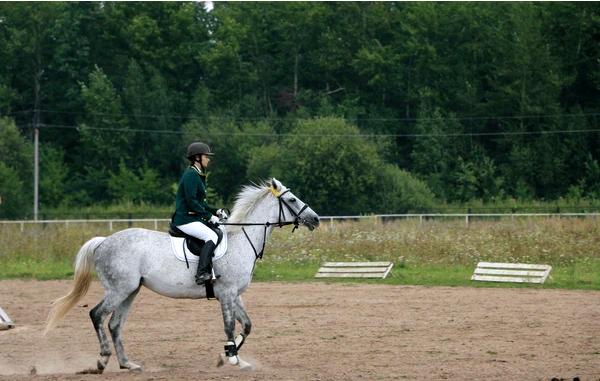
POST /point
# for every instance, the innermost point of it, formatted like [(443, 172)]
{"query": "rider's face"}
[(205, 160)]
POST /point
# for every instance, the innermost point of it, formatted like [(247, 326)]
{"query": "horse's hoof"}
[(102, 362), (132, 367)]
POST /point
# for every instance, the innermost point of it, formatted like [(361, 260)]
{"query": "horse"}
[(129, 259)]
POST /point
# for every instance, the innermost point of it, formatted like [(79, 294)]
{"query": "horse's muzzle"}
[(311, 222)]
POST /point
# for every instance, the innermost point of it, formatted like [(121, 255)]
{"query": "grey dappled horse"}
[(132, 258)]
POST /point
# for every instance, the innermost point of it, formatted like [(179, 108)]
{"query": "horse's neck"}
[(261, 213)]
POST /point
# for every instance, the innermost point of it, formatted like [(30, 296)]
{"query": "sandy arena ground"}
[(319, 331)]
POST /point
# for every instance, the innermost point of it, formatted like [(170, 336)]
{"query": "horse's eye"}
[(292, 199)]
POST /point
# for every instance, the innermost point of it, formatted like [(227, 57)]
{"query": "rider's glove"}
[(222, 214), (214, 220)]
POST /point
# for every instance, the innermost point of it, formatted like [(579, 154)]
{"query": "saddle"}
[(193, 243), (195, 246)]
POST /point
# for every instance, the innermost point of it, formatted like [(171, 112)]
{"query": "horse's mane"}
[(247, 199)]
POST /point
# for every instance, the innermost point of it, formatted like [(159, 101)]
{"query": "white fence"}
[(467, 217)]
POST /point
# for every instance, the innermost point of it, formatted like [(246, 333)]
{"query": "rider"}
[(193, 215)]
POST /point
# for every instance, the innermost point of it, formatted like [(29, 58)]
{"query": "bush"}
[(399, 192), (327, 163)]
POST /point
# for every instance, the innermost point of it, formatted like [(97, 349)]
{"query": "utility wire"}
[(266, 134), (259, 118)]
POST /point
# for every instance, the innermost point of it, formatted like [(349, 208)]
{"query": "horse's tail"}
[(83, 278)]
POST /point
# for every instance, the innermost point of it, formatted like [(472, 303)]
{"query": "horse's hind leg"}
[(98, 314), (115, 326)]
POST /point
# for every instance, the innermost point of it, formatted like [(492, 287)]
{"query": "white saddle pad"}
[(177, 245)]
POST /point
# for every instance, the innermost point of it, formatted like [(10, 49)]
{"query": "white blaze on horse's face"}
[(292, 207)]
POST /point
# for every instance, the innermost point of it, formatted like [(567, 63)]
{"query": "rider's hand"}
[(222, 214), (214, 220)]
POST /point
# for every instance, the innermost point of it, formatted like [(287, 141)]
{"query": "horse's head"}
[(291, 208)]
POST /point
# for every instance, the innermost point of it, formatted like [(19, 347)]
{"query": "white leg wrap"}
[(233, 360), (238, 340)]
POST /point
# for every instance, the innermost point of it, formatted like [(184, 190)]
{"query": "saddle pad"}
[(177, 244)]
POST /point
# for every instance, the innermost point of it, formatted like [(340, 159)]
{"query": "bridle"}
[(297, 218), (281, 222)]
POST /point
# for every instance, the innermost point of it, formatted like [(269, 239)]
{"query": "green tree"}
[(435, 152), (53, 177), (27, 36), (104, 137), (477, 179), (144, 186), (517, 69), (591, 181), (15, 171), (13, 202), (150, 107)]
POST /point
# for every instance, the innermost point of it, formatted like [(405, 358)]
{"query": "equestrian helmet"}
[(198, 148)]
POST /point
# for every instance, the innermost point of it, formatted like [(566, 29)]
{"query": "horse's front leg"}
[(228, 307), (242, 316), (228, 310)]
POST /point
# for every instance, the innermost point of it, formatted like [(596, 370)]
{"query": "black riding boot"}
[(204, 272)]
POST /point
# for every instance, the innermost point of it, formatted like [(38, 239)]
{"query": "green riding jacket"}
[(190, 204)]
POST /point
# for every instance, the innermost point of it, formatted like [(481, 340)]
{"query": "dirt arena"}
[(319, 331)]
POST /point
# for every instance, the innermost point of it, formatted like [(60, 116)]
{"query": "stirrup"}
[(203, 278)]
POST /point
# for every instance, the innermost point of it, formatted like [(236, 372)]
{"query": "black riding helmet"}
[(198, 148)]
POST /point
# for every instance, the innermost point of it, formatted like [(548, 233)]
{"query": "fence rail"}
[(468, 217)]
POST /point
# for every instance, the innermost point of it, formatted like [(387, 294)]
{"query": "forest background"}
[(359, 107)]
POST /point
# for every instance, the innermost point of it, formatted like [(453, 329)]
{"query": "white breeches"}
[(200, 231)]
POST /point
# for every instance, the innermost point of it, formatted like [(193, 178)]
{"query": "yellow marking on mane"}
[(275, 192)]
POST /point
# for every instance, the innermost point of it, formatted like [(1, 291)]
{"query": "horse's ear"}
[(275, 184), (275, 187)]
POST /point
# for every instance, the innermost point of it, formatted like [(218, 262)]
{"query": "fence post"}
[(155, 224), (110, 228), (129, 216)]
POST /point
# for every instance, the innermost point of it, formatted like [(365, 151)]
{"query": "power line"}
[(259, 118), (272, 134)]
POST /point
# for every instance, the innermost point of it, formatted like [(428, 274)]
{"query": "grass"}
[(31, 268), (582, 277), (429, 253)]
